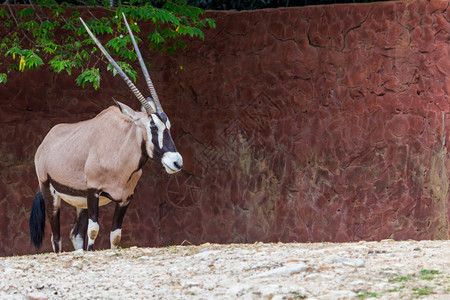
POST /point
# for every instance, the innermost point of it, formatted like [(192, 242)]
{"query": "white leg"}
[(115, 237), (93, 229)]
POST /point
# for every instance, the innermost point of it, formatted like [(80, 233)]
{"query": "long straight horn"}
[(144, 69), (133, 88)]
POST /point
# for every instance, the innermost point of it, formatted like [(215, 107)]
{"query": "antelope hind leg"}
[(78, 232), (53, 204)]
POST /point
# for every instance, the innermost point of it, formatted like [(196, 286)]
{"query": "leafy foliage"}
[(258, 4), (48, 33), (126, 67), (91, 75)]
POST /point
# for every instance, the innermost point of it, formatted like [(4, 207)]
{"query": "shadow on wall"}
[(296, 124)]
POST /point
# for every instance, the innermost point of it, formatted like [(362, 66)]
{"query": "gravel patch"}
[(364, 270)]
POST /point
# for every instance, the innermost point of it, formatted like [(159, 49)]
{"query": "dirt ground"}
[(381, 270)]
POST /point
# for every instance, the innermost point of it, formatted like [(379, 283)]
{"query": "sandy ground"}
[(382, 270)]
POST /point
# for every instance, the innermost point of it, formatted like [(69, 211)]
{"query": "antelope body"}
[(91, 163)]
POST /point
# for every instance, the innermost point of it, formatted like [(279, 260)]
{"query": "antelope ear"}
[(127, 111)]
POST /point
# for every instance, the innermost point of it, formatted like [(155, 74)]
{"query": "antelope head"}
[(151, 119)]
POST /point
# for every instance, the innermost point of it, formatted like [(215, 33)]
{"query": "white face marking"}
[(161, 127), (93, 229), (169, 159), (114, 237), (168, 125)]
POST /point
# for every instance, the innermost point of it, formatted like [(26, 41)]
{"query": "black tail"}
[(37, 220)]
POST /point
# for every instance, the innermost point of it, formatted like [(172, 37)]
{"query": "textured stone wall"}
[(326, 123)]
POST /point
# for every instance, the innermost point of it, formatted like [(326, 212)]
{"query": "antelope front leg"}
[(116, 229), (92, 210)]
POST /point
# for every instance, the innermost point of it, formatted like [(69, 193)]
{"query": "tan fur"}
[(100, 153)]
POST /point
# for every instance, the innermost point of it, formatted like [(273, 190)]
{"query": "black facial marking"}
[(153, 128), (163, 117), (168, 145), (157, 152)]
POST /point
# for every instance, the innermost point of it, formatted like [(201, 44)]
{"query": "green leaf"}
[(119, 42), (89, 76), (26, 12), (126, 67), (88, 41), (69, 26), (156, 37), (3, 78), (127, 54), (98, 27), (30, 60), (13, 66), (13, 51), (57, 11), (188, 30), (84, 54), (4, 14), (29, 26), (58, 64), (211, 23), (47, 3)]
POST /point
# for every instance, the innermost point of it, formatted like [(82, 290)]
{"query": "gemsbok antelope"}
[(91, 163)]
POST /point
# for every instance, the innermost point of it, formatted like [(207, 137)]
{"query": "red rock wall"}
[(325, 123)]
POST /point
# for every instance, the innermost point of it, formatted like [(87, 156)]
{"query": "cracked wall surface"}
[(325, 123)]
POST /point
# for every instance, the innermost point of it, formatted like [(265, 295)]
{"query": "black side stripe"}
[(67, 189), (64, 189)]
